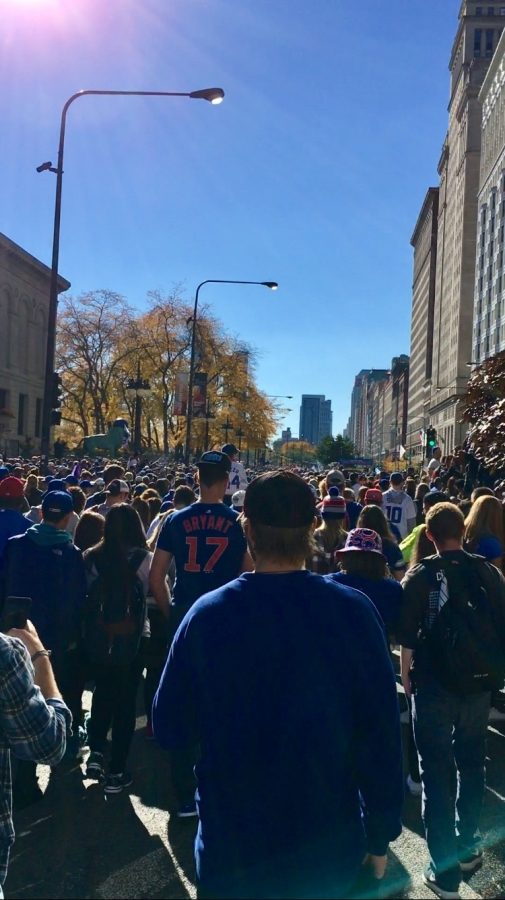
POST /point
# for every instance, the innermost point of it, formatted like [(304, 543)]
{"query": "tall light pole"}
[(189, 418), (212, 95), (137, 388)]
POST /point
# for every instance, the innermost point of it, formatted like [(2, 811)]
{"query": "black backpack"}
[(113, 624), (463, 644)]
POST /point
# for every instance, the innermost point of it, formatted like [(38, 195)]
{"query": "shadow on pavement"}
[(75, 843)]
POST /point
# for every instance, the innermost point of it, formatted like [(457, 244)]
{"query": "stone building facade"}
[(478, 33), (424, 242), (489, 312), (24, 304)]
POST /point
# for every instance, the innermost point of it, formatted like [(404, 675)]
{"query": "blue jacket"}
[(54, 577), (11, 523)]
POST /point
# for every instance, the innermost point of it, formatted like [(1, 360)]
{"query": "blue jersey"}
[(208, 545)]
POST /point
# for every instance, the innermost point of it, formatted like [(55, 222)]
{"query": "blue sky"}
[(311, 173)]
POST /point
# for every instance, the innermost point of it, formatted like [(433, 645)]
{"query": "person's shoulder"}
[(12, 654)]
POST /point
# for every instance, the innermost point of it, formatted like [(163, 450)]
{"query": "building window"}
[(22, 407), (502, 10), (477, 38), (38, 416), (489, 42), (478, 10), (490, 10)]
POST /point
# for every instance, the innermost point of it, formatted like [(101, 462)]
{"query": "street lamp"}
[(137, 388), (272, 285), (212, 95)]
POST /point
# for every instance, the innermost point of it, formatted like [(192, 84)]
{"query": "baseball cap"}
[(280, 499), (116, 487), (57, 503), (85, 484), (333, 505), (229, 449), (56, 484), (4, 472), (362, 540), (98, 483), (11, 487), (335, 476), (237, 500), (72, 480), (215, 458), (373, 497)]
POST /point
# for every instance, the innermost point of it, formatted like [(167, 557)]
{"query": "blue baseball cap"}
[(56, 484), (4, 472), (57, 503)]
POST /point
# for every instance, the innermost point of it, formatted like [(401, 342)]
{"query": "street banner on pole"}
[(181, 394), (200, 395)]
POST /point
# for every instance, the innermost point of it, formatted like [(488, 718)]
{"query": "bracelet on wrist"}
[(39, 654)]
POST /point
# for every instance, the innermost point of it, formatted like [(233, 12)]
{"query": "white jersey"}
[(400, 509), (237, 480)]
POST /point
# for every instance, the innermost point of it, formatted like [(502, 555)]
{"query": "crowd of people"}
[(258, 612)]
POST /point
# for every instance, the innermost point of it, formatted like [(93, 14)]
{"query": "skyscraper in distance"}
[(316, 418)]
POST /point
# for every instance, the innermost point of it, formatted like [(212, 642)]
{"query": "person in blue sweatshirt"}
[(283, 678), (12, 506), (44, 564), (363, 567)]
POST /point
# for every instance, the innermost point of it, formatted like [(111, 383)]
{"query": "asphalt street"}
[(75, 844)]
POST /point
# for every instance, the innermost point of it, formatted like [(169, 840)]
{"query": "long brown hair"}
[(367, 565), (373, 517), (485, 519)]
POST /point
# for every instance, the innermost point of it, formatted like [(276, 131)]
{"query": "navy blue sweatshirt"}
[(286, 684)]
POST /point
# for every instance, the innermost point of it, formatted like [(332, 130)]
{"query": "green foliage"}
[(334, 449)]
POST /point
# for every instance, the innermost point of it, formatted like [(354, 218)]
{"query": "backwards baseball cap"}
[(215, 458), (229, 449), (57, 503), (363, 540), (117, 487), (333, 505), (373, 497), (280, 499), (11, 487)]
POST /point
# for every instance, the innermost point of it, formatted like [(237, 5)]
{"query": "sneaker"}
[(414, 787), (117, 782), (187, 811), (471, 862), (148, 732), (430, 879), (95, 766)]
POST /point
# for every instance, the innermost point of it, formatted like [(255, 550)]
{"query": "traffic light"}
[(56, 391), (431, 440)]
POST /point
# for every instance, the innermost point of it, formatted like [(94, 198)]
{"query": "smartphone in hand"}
[(15, 613)]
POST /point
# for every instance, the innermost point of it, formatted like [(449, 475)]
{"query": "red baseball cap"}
[(11, 487)]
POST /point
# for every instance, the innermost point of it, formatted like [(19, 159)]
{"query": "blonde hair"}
[(330, 534), (484, 519)]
